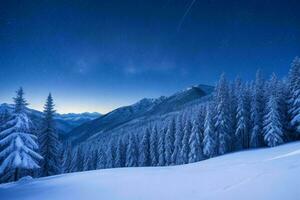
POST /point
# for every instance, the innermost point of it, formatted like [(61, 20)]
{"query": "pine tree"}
[(111, 154), (294, 100), (67, 158), (209, 141), (101, 159), (195, 143), (120, 155), (161, 147), (176, 158), (131, 152), (144, 155), (49, 144), (153, 146), (19, 152), (169, 142), (257, 112), (273, 131), (184, 154), (241, 132), (222, 121)]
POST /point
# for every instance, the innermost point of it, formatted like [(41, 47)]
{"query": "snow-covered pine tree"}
[(222, 118), (294, 101), (88, 158), (176, 158), (169, 141), (184, 154), (257, 112), (19, 152), (210, 139), (77, 160), (144, 154), (272, 127), (111, 154), (241, 131), (49, 143), (195, 143), (161, 147), (67, 158), (120, 154), (101, 159), (131, 152), (153, 146)]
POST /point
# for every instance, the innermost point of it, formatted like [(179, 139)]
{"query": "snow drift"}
[(271, 173)]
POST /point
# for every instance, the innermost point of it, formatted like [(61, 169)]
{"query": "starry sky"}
[(100, 55)]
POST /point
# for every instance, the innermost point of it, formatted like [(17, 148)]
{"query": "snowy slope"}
[(262, 174)]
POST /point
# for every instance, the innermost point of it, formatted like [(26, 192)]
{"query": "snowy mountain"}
[(64, 122), (141, 112), (270, 173)]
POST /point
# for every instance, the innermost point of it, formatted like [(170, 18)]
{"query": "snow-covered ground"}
[(272, 173)]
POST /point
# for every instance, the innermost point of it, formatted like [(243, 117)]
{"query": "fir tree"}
[(161, 148), (185, 142), (120, 155), (131, 152), (241, 132), (294, 100), (101, 159), (195, 143), (176, 158), (67, 158), (144, 155), (49, 144), (257, 112), (18, 142), (153, 146), (169, 142), (222, 118), (209, 141), (273, 131)]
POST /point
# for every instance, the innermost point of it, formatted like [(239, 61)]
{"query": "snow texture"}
[(271, 173)]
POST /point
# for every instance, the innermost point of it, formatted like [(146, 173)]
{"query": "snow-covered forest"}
[(239, 115)]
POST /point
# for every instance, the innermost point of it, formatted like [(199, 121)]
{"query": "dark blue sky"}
[(99, 55)]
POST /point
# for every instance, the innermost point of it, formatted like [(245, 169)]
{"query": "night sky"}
[(99, 55)]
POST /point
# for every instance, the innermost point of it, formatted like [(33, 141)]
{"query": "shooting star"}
[(185, 14)]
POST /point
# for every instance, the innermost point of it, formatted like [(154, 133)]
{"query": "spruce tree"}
[(184, 154), (19, 144), (153, 146), (144, 155), (176, 158), (241, 132), (273, 130), (131, 152), (161, 147), (49, 143), (101, 159), (294, 100), (169, 142), (195, 143), (257, 112), (209, 141), (222, 118)]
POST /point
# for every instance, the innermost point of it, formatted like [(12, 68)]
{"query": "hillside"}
[(142, 111), (271, 173)]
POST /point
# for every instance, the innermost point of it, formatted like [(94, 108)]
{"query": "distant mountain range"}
[(139, 113), (64, 122)]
